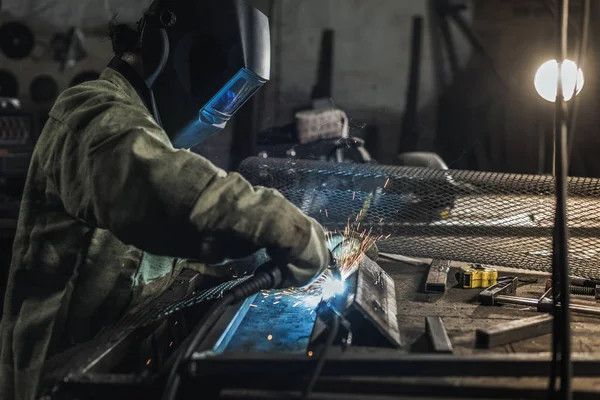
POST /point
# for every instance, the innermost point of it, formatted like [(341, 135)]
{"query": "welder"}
[(115, 200)]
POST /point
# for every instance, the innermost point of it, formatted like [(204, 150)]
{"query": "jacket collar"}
[(134, 79)]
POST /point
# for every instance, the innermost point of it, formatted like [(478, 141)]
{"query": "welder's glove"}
[(303, 268)]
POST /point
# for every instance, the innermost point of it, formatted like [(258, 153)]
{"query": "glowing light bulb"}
[(546, 80)]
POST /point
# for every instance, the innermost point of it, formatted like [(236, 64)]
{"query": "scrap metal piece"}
[(513, 331), (507, 287), (436, 331), (437, 276)]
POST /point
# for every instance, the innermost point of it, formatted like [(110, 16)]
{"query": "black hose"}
[(333, 332), (562, 326), (267, 277), (555, 321)]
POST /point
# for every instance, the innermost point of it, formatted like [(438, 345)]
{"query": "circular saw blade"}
[(43, 89), (16, 40)]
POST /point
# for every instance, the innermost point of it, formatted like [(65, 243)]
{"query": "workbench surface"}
[(462, 315)]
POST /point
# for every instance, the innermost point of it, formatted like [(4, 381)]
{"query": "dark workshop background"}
[(385, 63)]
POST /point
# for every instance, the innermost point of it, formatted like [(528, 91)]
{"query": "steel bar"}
[(526, 301), (513, 331), (434, 326), (387, 364), (521, 301), (244, 394), (437, 277), (375, 389)]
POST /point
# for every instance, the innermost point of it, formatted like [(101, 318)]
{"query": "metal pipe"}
[(525, 301), (562, 326), (383, 364), (522, 301)]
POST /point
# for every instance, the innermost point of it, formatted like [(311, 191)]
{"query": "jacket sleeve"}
[(121, 173)]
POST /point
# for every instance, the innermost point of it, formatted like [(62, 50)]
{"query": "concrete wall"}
[(371, 65), (46, 18)]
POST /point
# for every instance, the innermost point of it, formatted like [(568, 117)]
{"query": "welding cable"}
[(268, 276), (561, 335), (334, 328)]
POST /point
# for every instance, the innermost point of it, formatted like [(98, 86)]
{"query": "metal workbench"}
[(517, 370)]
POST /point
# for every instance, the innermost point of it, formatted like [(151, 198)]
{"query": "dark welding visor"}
[(223, 60)]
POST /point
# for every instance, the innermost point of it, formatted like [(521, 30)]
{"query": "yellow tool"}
[(477, 276)]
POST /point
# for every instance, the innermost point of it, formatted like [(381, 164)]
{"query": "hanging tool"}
[(16, 40), (9, 87), (476, 276), (43, 89)]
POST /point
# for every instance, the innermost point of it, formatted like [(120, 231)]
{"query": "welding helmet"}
[(202, 61)]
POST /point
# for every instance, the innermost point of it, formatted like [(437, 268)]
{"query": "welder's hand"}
[(311, 262)]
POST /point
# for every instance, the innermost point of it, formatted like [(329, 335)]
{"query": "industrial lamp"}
[(546, 80)]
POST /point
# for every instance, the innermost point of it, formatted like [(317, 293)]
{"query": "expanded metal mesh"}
[(480, 217), (200, 297)]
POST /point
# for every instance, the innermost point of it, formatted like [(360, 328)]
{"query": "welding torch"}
[(334, 267)]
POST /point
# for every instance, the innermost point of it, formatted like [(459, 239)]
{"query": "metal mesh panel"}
[(81, 355), (488, 218), (200, 297)]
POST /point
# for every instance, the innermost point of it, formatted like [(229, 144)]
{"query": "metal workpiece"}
[(584, 309), (369, 305), (438, 337), (286, 321), (513, 331), (437, 276)]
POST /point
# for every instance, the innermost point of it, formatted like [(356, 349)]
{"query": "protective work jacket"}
[(107, 206)]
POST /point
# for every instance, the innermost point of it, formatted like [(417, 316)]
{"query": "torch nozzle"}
[(334, 268)]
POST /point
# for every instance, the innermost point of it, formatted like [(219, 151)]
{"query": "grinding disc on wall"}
[(16, 40), (9, 86), (43, 89)]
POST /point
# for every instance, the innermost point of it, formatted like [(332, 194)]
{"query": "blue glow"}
[(332, 288), (234, 94), (213, 117)]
